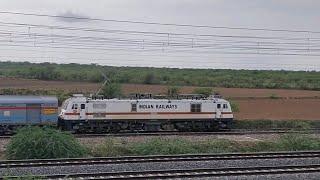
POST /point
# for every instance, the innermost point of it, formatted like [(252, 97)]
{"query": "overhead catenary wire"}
[(157, 23), (18, 34), (102, 41), (310, 45), (172, 38), (108, 53), (167, 51), (161, 43), (153, 33)]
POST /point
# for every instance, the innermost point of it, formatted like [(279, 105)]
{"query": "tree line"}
[(309, 80)]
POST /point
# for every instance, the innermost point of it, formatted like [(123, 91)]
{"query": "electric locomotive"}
[(145, 113)]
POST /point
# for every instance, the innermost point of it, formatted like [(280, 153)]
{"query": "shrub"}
[(205, 91), (215, 146), (150, 78), (293, 124), (172, 91), (227, 146), (43, 143), (267, 124), (110, 148), (164, 146), (160, 146), (234, 106), (252, 124), (298, 142), (273, 96), (112, 90), (257, 146), (168, 76)]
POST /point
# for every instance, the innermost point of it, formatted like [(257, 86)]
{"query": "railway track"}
[(176, 133), (157, 158), (191, 173)]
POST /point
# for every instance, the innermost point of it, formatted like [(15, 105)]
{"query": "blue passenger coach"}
[(22, 110)]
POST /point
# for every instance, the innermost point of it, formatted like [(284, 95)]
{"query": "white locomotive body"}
[(84, 114)]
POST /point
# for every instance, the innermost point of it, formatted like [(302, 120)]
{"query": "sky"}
[(217, 44)]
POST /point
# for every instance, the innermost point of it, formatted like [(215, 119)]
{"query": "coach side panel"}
[(13, 113), (49, 113)]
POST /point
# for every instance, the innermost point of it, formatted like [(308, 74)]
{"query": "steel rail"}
[(192, 173), (157, 158), (173, 133)]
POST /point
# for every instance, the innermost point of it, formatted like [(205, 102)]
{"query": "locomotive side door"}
[(218, 110), (83, 111)]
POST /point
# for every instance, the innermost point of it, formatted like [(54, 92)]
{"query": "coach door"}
[(218, 110), (33, 113)]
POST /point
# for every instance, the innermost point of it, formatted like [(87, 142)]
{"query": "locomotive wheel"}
[(167, 127), (115, 128), (152, 127)]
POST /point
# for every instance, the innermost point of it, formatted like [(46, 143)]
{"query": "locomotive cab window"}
[(83, 106), (218, 106), (225, 106), (195, 107), (134, 107), (75, 106)]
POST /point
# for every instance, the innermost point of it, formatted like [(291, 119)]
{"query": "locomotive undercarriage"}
[(114, 126)]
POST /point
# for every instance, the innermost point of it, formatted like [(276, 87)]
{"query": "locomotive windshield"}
[(65, 104)]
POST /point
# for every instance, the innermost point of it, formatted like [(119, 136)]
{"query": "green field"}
[(167, 76)]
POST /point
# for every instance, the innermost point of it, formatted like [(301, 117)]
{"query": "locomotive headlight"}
[(62, 112)]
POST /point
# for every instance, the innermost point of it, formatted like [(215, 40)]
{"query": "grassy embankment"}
[(265, 124), (159, 146), (36, 142), (287, 142)]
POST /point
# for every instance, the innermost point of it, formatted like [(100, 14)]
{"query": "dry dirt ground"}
[(155, 89), (226, 92), (279, 109), (253, 103)]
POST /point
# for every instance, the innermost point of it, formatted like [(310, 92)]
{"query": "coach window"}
[(195, 107), (218, 106), (133, 107), (83, 106)]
